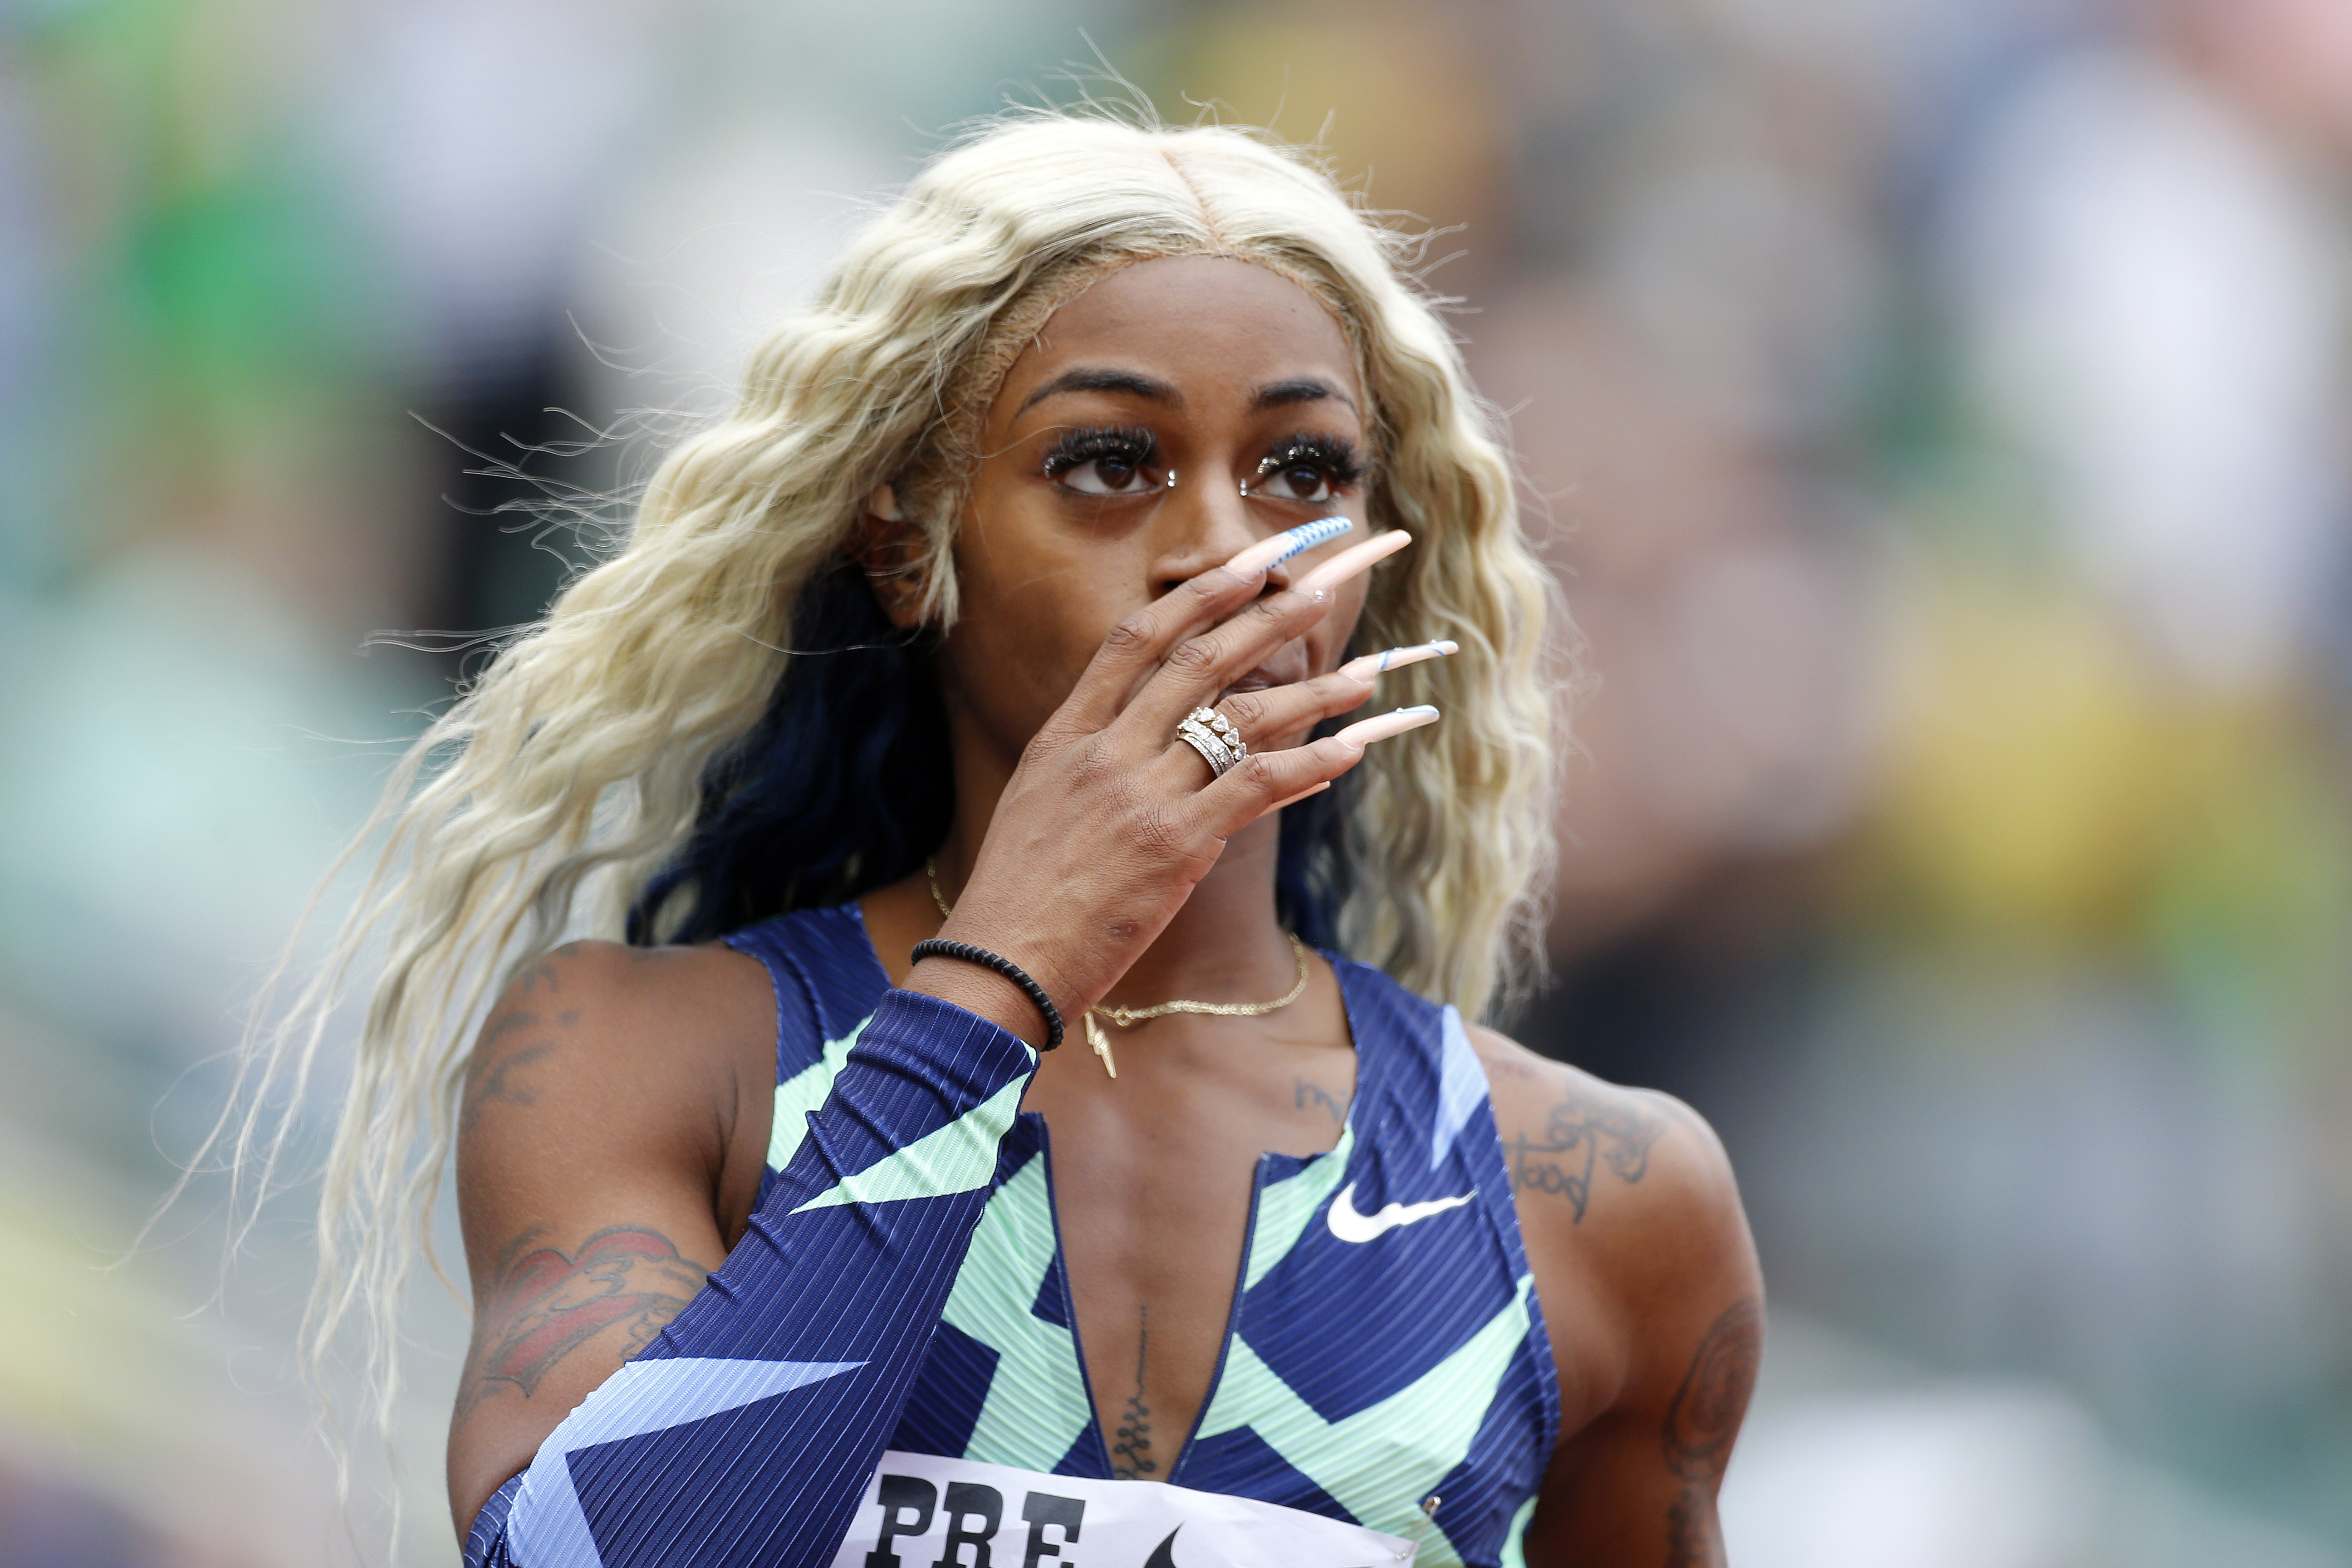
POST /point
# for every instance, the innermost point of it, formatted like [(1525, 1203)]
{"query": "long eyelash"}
[(1335, 455), (1130, 444)]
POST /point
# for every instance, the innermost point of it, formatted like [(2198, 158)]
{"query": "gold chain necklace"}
[(1128, 1017)]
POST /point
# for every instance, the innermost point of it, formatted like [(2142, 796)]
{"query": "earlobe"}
[(891, 554), (900, 596)]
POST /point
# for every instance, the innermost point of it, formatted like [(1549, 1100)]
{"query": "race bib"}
[(923, 1511)]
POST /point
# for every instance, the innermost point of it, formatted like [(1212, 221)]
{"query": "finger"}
[(1268, 553), (1266, 717), (1395, 721), (1356, 557), (1136, 646), (1201, 666), (1262, 778), (1373, 665), (1197, 670), (1294, 800)]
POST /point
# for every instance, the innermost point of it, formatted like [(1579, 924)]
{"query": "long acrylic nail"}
[(1372, 664), (1267, 553), (1364, 732), (1352, 560), (1293, 800)]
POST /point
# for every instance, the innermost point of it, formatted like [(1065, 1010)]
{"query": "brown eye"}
[(1105, 477), (1309, 469), (1104, 463), (1297, 481)]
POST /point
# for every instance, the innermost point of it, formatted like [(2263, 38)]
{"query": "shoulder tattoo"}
[(547, 1303), (1583, 1132), (517, 1037)]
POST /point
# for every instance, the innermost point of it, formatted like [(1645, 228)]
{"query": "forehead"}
[(1192, 320)]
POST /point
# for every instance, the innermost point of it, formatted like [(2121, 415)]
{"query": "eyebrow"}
[(1306, 389), (1091, 379)]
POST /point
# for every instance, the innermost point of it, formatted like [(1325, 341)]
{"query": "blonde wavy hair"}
[(572, 770)]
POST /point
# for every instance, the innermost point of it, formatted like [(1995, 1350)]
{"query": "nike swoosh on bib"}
[(1348, 1226)]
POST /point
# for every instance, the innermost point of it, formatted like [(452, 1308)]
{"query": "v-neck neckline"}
[(1268, 1161)]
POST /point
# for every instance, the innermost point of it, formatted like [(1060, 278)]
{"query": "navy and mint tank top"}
[(1385, 1361)]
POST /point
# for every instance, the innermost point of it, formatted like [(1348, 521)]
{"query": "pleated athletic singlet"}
[(901, 1288)]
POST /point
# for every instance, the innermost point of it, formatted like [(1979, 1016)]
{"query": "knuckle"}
[(1333, 687), (1246, 709), (1279, 610), (1257, 771), (1196, 657), (1090, 760), (1131, 634), (1163, 834)]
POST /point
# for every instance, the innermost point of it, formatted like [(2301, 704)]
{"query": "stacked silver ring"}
[(1212, 735)]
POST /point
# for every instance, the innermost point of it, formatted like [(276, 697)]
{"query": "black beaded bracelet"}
[(940, 947)]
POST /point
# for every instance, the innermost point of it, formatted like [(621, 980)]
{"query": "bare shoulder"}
[(1598, 1146), (608, 1023), (604, 1072), (1630, 1187), (599, 984)]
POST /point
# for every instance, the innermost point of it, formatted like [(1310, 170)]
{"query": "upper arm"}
[(593, 1132), (1650, 1285)]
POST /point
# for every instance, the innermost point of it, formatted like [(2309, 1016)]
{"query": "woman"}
[(963, 688)]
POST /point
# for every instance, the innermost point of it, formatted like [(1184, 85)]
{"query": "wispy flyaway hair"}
[(568, 786)]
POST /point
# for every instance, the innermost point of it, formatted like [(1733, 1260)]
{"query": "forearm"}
[(747, 1431)]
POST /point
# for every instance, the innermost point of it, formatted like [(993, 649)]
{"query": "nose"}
[(1202, 525)]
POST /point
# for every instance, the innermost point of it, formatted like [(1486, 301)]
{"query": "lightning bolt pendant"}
[(1101, 1044)]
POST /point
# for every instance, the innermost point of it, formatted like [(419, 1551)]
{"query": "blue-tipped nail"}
[(1267, 553), (1372, 664)]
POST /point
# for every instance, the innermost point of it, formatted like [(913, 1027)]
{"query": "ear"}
[(891, 551)]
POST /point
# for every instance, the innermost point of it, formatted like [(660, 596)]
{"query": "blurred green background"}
[(1935, 410)]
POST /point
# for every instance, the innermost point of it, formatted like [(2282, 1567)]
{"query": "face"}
[(1218, 372)]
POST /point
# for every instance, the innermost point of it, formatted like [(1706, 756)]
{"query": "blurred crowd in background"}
[(1936, 411)]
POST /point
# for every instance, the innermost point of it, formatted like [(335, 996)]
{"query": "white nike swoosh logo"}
[(1348, 1226)]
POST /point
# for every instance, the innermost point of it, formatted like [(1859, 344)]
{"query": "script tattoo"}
[(1700, 1425), (493, 1075), (1131, 1457), (1306, 1094), (1583, 1132), (547, 1304)]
